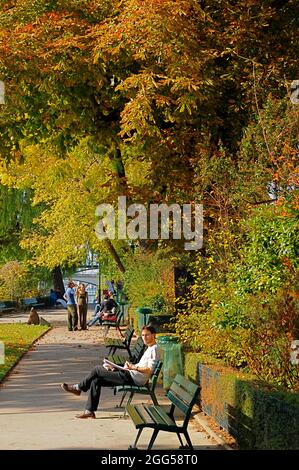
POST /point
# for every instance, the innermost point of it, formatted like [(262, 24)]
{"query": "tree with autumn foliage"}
[(159, 101), (140, 86)]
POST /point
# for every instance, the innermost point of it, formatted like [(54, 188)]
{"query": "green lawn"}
[(17, 339)]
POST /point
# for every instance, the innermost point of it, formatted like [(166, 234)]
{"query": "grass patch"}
[(17, 338)]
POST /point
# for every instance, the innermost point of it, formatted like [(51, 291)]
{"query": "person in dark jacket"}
[(106, 306)]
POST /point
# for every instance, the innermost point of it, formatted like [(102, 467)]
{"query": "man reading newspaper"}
[(110, 374)]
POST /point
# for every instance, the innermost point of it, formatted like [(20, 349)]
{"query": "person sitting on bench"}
[(106, 306), (134, 374)]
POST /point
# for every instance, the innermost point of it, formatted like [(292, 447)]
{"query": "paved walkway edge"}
[(199, 417)]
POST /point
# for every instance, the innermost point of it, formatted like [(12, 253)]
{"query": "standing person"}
[(82, 302), (72, 315), (101, 376)]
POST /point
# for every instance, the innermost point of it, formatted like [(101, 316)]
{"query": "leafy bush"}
[(16, 281), (149, 280), (243, 305), (266, 345), (158, 303)]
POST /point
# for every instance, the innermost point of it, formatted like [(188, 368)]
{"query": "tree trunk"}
[(58, 280), (114, 255)]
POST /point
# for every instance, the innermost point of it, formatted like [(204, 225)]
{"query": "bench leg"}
[(180, 439), (122, 399), (136, 440), (188, 440), (153, 438), (129, 401)]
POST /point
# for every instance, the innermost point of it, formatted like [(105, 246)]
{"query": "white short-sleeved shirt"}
[(149, 359)]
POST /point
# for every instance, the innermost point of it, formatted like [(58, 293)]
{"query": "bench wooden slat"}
[(124, 343), (117, 359), (180, 392), (132, 388), (138, 345), (155, 416), (161, 416), (178, 402), (149, 414), (185, 383), (111, 342), (135, 353), (139, 348), (144, 413), (134, 415)]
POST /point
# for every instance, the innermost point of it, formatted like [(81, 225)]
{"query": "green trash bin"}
[(172, 358), (143, 316)]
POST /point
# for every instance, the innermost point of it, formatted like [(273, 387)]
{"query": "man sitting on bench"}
[(134, 374)]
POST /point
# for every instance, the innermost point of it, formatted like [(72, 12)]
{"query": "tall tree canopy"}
[(134, 97)]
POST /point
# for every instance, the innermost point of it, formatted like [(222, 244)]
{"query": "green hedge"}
[(257, 418), (191, 366)]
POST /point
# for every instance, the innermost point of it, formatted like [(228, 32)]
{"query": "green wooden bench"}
[(124, 343), (135, 354), (147, 389), (31, 302), (113, 323), (183, 394), (7, 306)]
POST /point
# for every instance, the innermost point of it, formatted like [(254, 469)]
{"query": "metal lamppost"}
[(99, 290)]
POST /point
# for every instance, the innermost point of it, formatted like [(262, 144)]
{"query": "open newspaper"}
[(111, 364)]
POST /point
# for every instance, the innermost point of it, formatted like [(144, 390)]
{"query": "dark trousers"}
[(100, 377), (72, 317), (82, 315)]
